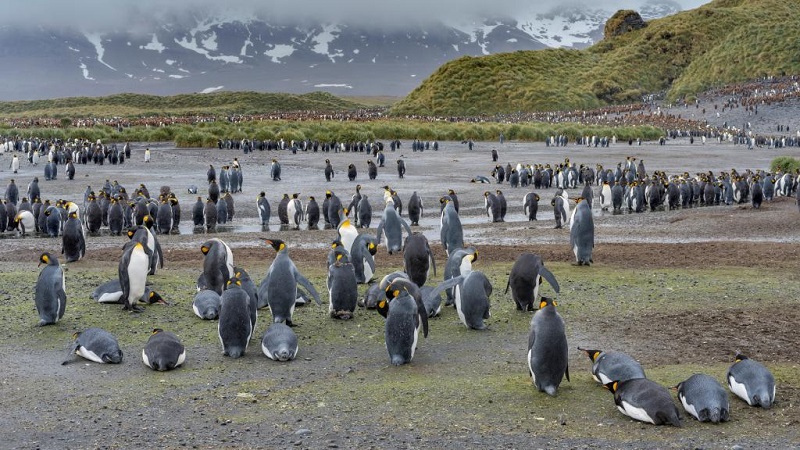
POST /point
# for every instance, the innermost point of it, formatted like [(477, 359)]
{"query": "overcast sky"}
[(100, 15)]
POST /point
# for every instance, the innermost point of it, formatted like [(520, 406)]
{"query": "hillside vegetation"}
[(723, 42), (128, 105)]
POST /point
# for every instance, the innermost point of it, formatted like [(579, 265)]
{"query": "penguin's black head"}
[(740, 357), (45, 258), (295, 195), (336, 243), (157, 330), (148, 221), (547, 301), (592, 354), (311, 198), (277, 244), (612, 386), (328, 194), (234, 281), (155, 297), (205, 247), (262, 194)]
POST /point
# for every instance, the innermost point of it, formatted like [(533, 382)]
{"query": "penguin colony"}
[(227, 294)]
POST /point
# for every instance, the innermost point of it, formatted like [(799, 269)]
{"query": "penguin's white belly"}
[(457, 295), (110, 297), (416, 338), (739, 389), (90, 355), (367, 270), (635, 413), (530, 367), (689, 408), (137, 275)]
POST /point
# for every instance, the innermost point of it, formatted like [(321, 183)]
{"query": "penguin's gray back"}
[(207, 304), (163, 351), (402, 329), (74, 244), (616, 366), (472, 300), (581, 236), (417, 258), (51, 298), (752, 382), (279, 342), (547, 350), (342, 290), (234, 328), (98, 345), (704, 399), (646, 401)]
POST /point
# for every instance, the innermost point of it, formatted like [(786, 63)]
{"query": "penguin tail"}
[(398, 360), (714, 415), (550, 390)]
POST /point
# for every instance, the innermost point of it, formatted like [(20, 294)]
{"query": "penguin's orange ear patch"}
[(204, 249), (542, 304)]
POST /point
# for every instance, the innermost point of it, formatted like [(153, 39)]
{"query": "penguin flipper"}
[(566, 373), (405, 225), (307, 285), (547, 275), (379, 233), (443, 286), (71, 353), (160, 255)]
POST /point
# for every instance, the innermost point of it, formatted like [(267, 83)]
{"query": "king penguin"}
[(613, 366), (415, 208), (530, 205), (206, 304), (347, 233), (451, 232), (581, 233), (525, 279), (264, 209), (405, 316), (133, 267), (51, 297), (294, 211), (312, 213), (342, 288), (472, 300), (704, 398), (752, 382), (458, 263), (234, 328), (362, 259), (279, 285), (646, 401), (418, 258), (279, 342), (548, 354), (218, 265), (95, 344), (73, 242), (163, 351), (392, 225)]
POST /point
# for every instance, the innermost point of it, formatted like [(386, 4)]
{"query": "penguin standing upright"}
[(53, 222), (548, 354), (405, 316), (12, 191), (525, 278), (164, 217), (364, 212), (329, 174), (581, 233), (646, 401), (157, 257), (264, 210), (133, 268), (501, 200), (234, 328), (704, 398), (605, 196), (283, 210), (346, 232), (401, 168), (418, 258), (213, 191), (492, 206), (530, 205), (163, 351), (275, 170), (73, 242), (372, 170), (613, 366), (51, 298), (312, 213), (294, 211), (279, 285), (218, 265), (116, 219), (751, 381), (362, 259), (222, 212), (210, 215), (451, 232), (342, 288), (415, 208), (472, 299), (392, 225), (458, 263), (352, 172)]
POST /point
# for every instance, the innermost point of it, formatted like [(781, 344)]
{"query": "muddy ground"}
[(679, 290)]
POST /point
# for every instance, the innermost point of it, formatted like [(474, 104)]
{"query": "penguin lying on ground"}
[(645, 400), (704, 398), (206, 304), (163, 351), (111, 292), (613, 366), (752, 382), (95, 344), (279, 342)]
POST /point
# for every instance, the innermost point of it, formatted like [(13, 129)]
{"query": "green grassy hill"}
[(723, 42), (127, 105)]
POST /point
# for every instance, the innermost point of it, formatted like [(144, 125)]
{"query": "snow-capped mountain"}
[(207, 53)]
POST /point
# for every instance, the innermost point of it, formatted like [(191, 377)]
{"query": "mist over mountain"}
[(204, 49)]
